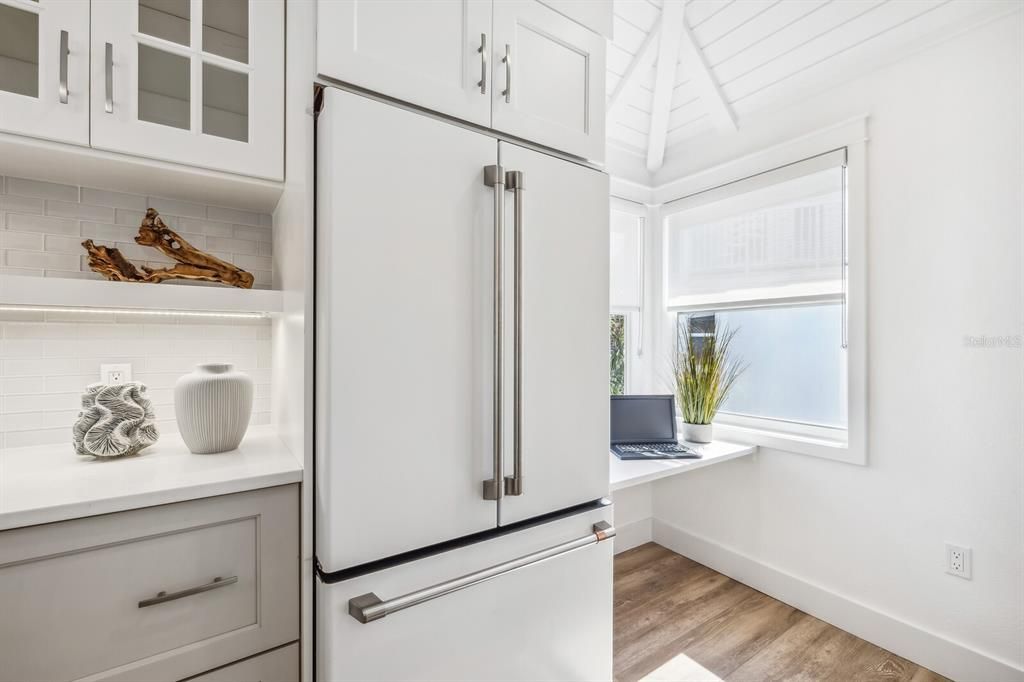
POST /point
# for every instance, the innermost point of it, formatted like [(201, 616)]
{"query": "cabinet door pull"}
[(162, 597), (108, 67), (507, 61), (483, 64), (62, 87)]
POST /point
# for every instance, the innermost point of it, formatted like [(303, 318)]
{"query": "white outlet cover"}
[(108, 373), (958, 561)]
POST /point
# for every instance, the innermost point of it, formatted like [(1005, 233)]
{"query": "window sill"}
[(835, 450)]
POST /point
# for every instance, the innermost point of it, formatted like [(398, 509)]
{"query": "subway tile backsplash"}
[(42, 225), (47, 359)]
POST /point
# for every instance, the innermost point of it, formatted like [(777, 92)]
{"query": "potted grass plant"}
[(704, 372)]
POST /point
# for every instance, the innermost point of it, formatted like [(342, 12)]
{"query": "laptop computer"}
[(644, 427)]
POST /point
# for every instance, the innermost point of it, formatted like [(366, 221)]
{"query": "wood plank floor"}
[(678, 620)]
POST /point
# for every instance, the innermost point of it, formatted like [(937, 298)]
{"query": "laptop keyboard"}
[(653, 447)]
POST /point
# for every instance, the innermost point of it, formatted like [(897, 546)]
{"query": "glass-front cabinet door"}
[(44, 69), (199, 82)]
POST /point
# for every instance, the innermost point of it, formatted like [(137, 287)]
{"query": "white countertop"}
[(624, 474), (51, 483)]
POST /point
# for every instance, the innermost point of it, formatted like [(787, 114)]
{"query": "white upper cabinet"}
[(424, 53), (44, 69), (517, 66), (198, 82), (549, 79)]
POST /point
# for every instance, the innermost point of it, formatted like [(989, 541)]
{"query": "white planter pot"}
[(213, 405), (697, 433)]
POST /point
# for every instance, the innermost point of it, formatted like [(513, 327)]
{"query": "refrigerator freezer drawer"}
[(549, 620)]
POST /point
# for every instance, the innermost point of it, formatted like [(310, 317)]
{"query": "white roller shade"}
[(778, 235), (625, 259)]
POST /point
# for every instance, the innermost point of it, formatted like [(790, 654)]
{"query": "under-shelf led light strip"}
[(133, 311)]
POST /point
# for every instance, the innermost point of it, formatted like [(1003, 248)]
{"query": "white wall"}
[(946, 435)]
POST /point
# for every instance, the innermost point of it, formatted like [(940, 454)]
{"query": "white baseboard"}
[(633, 534), (914, 643)]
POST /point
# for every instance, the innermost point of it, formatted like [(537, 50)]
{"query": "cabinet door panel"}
[(132, 596), (564, 356), (555, 70), (425, 53), (31, 98), (404, 341), (198, 82)]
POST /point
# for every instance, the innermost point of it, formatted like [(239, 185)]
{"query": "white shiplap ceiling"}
[(679, 69)]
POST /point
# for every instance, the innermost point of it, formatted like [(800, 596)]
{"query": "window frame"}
[(845, 445), (635, 316)]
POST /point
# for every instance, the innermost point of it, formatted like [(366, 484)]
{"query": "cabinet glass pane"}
[(226, 29), (19, 51), (225, 103), (167, 19), (164, 88)]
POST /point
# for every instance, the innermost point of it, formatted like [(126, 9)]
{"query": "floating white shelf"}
[(55, 292), (626, 474)]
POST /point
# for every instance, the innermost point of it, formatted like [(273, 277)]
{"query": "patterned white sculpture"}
[(116, 420)]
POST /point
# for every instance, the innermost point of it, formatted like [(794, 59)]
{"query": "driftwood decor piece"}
[(191, 262)]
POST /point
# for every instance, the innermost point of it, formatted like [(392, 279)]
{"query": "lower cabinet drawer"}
[(279, 665), (153, 594)]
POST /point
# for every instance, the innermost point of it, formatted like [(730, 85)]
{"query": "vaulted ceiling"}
[(679, 69)]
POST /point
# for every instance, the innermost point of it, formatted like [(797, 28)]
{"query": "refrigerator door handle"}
[(369, 607), (514, 483), (494, 176)]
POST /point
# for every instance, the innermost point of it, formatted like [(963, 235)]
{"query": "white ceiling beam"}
[(708, 89), (630, 81), (672, 26)]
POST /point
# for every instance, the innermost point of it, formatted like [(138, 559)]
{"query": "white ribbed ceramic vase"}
[(213, 405)]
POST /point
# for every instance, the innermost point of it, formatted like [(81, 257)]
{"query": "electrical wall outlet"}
[(115, 374), (958, 561)]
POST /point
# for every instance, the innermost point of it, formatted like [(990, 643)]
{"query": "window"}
[(795, 364), (765, 256), (617, 336), (625, 290)]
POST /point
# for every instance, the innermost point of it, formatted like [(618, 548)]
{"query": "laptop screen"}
[(643, 419)]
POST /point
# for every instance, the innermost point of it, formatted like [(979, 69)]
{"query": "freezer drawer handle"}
[(162, 597), (368, 607)]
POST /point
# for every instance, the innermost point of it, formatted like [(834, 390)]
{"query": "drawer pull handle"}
[(162, 597), (369, 607)]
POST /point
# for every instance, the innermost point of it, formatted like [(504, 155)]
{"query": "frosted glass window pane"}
[(625, 259), (796, 365), (225, 103), (785, 239), (164, 83), (19, 51), (226, 29), (167, 19)]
